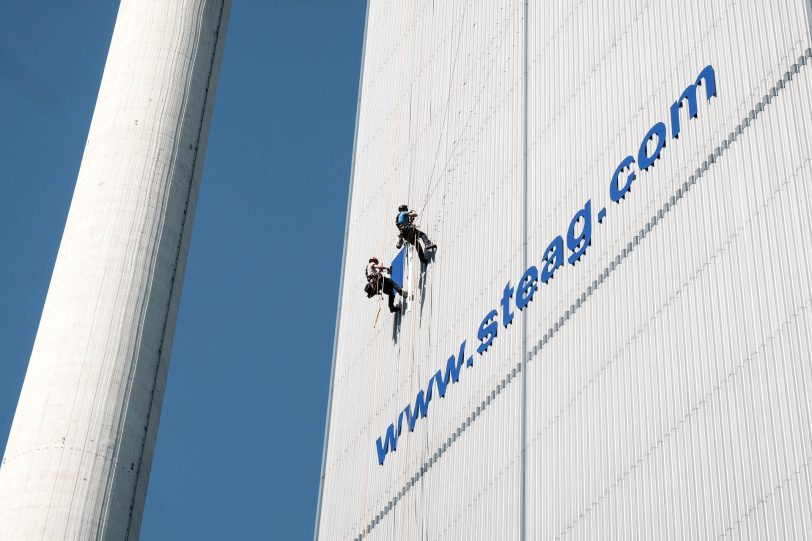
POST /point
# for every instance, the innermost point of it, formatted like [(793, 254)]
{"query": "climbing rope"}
[(434, 183), (447, 108)]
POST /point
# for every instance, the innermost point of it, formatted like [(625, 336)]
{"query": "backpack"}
[(372, 285), (370, 290)]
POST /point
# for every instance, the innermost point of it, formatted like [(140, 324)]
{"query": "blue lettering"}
[(578, 240), (553, 258), (421, 407), (706, 78), (578, 244), (527, 287), (507, 313), (615, 191), (644, 161), (487, 331), (452, 372), (390, 442)]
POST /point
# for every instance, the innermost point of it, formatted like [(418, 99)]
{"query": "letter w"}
[(421, 407), (390, 441), (452, 371)]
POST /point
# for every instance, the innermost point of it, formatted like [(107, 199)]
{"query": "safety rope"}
[(433, 184), (411, 253), (377, 314), (447, 108)]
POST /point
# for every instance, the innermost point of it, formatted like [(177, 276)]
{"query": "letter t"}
[(507, 313)]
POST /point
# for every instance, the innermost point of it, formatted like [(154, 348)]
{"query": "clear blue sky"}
[(239, 447)]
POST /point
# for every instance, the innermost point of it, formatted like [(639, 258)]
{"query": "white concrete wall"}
[(78, 457), (666, 388)]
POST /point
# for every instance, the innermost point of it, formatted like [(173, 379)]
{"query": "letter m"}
[(452, 371), (390, 441), (706, 78)]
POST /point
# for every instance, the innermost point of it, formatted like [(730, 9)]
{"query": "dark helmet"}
[(403, 208), (373, 259)]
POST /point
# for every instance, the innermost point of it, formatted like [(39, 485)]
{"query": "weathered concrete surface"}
[(80, 449)]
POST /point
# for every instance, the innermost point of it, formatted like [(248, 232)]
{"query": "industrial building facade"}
[(613, 339)]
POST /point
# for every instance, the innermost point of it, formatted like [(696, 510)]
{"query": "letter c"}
[(615, 191)]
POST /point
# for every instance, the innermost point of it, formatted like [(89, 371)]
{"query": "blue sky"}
[(239, 447)]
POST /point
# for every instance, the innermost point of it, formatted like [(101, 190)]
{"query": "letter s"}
[(487, 331)]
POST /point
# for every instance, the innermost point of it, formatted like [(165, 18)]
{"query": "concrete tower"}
[(80, 450)]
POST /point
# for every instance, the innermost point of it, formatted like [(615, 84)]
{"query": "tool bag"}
[(373, 285)]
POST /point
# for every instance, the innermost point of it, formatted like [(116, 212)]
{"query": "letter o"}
[(644, 161)]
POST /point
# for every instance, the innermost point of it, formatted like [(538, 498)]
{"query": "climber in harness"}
[(377, 282), (410, 233)]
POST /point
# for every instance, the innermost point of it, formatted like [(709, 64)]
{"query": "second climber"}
[(377, 282), (410, 233)]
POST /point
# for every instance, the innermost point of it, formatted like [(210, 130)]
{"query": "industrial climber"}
[(376, 281), (410, 233)]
